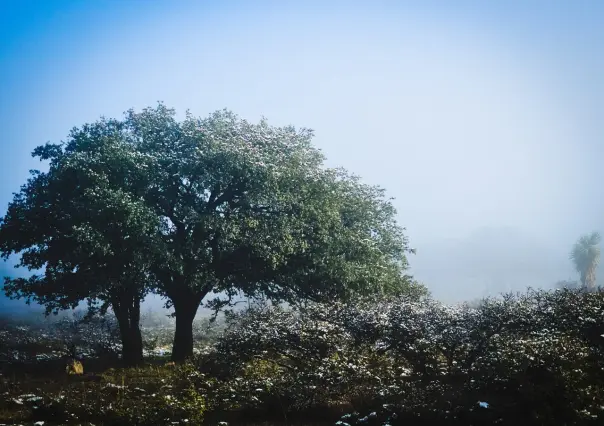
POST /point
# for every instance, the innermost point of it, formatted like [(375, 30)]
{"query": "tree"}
[(85, 231), (251, 208), (586, 257), (234, 208)]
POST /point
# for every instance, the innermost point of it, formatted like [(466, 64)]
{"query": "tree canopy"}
[(82, 227), (200, 206)]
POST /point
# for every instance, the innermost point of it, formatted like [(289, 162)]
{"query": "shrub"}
[(534, 358)]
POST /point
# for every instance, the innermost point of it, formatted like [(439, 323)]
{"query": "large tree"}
[(239, 208), (586, 257), (251, 207)]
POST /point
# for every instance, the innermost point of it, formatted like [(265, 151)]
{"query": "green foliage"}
[(533, 358), (71, 221), (198, 206), (150, 396), (250, 207)]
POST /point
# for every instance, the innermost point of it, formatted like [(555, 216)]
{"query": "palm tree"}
[(586, 257)]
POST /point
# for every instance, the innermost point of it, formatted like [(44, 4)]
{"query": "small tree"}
[(586, 257)]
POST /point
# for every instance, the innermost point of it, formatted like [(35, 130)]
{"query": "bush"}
[(534, 358)]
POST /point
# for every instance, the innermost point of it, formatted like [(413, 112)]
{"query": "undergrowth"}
[(531, 359)]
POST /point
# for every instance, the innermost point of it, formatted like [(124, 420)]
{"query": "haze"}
[(483, 119)]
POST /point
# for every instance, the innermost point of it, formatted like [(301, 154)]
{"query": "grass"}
[(35, 387), (156, 393)]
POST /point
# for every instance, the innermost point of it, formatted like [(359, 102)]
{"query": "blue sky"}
[(483, 119)]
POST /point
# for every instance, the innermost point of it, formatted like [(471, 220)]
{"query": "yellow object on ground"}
[(74, 367)]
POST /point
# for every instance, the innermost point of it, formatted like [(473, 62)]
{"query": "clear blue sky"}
[(484, 119)]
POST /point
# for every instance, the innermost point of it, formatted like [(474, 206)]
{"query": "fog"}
[(483, 119)]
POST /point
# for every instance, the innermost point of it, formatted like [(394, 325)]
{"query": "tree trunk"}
[(185, 309), (132, 344), (126, 307)]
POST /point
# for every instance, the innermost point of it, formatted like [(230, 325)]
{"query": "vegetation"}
[(186, 209), (532, 358), (586, 257), (335, 331)]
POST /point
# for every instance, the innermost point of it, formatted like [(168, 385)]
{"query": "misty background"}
[(483, 119)]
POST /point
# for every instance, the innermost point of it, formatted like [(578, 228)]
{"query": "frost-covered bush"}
[(87, 335), (283, 356), (72, 335), (533, 357)]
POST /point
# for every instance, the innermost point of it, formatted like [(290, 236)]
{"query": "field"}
[(532, 359), (36, 387)]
